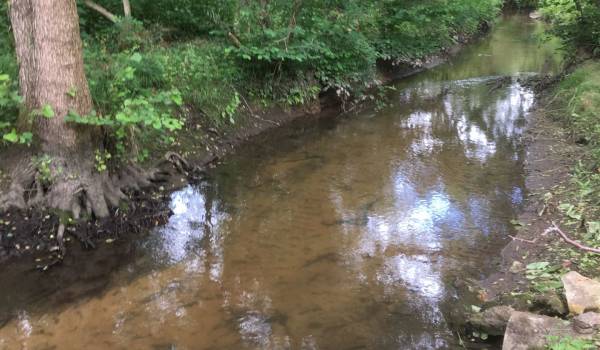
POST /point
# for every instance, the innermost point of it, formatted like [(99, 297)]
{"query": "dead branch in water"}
[(555, 228), (533, 241)]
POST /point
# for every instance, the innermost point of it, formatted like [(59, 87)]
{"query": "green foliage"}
[(544, 276), (577, 106), (43, 165), (524, 4), (102, 159), (131, 101), (576, 22), (179, 19), (568, 343), (206, 78), (579, 96), (220, 57), (412, 29), (9, 109), (5, 36)]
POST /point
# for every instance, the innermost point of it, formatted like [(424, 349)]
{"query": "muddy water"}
[(355, 233)]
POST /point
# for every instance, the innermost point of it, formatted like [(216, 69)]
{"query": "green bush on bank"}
[(524, 4), (579, 93), (222, 55), (576, 23)]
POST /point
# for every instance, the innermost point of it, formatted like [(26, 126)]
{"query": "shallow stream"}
[(353, 233)]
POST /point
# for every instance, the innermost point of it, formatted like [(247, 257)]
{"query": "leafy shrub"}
[(524, 4), (577, 23), (207, 79), (131, 98), (579, 92), (177, 19), (413, 29)]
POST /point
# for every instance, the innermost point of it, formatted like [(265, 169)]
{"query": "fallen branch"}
[(234, 40), (101, 10), (533, 241), (555, 228)]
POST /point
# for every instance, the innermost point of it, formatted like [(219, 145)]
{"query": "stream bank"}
[(32, 233), (359, 232), (530, 292)]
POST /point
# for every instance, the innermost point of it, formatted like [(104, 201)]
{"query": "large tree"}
[(53, 84)]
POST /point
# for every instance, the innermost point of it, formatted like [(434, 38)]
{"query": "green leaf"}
[(538, 265), (47, 111), (516, 222), (72, 92), (593, 227), (136, 57), (4, 77), (11, 137), (177, 99)]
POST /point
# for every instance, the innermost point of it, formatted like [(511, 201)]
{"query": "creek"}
[(346, 233)]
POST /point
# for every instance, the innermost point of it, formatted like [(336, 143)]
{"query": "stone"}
[(583, 294), (527, 331), (549, 304), (517, 267), (535, 15), (587, 323), (492, 321)]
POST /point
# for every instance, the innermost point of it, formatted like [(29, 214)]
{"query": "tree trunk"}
[(51, 73), (126, 8), (50, 56)]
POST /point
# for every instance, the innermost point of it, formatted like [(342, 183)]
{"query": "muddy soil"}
[(551, 157)]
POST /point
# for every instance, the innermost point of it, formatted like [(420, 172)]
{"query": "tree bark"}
[(126, 8), (51, 73), (50, 56)]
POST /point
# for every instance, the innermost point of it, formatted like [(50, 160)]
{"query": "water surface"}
[(342, 234)]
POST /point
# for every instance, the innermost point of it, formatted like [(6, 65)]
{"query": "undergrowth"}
[(220, 59), (577, 105)]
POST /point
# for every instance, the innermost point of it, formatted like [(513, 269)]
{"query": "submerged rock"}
[(517, 267), (492, 321), (535, 15), (550, 304), (587, 323), (526, 331), (583, 294)]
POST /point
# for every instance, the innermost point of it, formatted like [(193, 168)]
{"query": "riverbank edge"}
[(201, 148), (551, 156)]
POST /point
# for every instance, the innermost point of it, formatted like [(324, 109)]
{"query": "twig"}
[(234, 40), (251, 111), (555, 228), (533, 241)]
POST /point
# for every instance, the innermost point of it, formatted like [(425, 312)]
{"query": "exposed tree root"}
[(183, 166), (72, 188)]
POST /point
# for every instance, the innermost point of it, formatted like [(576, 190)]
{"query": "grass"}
[(577, 106)]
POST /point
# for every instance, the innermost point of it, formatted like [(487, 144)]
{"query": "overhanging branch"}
[(101, 10)]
